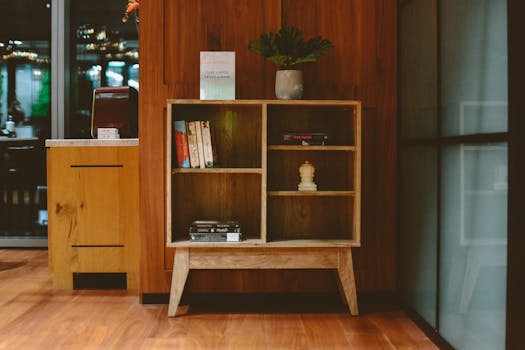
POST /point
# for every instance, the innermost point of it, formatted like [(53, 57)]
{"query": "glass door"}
[(453, 100), (25, 98), (474, 166), (103, 52)]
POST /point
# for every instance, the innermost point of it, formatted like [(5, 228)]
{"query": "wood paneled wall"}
[(361, 66)]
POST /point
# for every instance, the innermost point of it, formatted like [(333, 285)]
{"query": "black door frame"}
[(515, 328)]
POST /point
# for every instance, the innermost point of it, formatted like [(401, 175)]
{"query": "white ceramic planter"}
[(289, 84)]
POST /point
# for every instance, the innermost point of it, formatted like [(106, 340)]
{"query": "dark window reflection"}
[(25, 94), (104, 52), (25, 100)]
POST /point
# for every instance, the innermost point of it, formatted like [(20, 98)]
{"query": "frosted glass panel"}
[(418, 69), (473, 246), (473, 66), (418, 230)]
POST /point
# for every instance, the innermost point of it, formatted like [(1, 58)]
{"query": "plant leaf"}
[(288, 47)]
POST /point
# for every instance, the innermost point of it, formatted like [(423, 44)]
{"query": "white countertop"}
[(91, 142)]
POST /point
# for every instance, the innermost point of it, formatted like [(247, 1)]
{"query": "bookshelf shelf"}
[(257, 243), (217, 171), (311, 194), (310, 148), (257, 186), (190, 244)]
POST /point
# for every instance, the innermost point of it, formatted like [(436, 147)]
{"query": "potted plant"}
[(287, 48)]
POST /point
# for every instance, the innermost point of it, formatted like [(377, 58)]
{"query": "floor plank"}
[(35, 315)]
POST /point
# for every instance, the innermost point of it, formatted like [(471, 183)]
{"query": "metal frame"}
[(59, 68)]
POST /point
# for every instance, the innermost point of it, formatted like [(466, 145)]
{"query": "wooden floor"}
[(34, 315)]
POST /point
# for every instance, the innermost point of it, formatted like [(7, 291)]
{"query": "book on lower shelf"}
[(215, 231)]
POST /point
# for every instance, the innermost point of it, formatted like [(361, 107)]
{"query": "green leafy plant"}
[(41, 107), (288, 47)]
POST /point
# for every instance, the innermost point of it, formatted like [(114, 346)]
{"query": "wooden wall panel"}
[(152, 114), (214, 25), (361, 66), (218, 25), (337, 74)]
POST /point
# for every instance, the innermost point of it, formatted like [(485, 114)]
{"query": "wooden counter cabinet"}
[(93, 210)]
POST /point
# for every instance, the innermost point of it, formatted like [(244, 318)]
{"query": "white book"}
[(217, 75), (192, 145), (207, 145), (200, 146)]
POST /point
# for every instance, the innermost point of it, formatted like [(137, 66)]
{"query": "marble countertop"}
[(91, 142)]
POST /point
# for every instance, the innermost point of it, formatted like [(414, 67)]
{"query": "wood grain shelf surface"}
[(248, 102), (310, 148), (311, 193), (258, 243), (217, 171)]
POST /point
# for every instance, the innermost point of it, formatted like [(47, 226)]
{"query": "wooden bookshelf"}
[(255, 183)]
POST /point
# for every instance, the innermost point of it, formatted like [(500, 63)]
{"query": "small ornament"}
[(306, 171)]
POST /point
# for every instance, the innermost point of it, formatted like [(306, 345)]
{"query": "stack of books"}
[(194, 144), (305, 138), (215, 231)]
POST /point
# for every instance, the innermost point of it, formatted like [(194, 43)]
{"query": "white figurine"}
[(306, 171)]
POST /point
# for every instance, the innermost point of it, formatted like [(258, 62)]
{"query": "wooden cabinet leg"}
[(181, 267), (347, 279)]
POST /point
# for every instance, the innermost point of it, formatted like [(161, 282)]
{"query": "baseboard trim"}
[(299, 301), (426, 328)]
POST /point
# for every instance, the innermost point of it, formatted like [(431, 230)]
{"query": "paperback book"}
[(215, 231), (207, 144), (200, 145), (192, 144), (305, 138)]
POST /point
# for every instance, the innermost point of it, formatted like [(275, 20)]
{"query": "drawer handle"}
[(97, 246)]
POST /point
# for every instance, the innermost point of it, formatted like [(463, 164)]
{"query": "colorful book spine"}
[(200, 146), (181, 144), (192, 144), (207, 144)]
